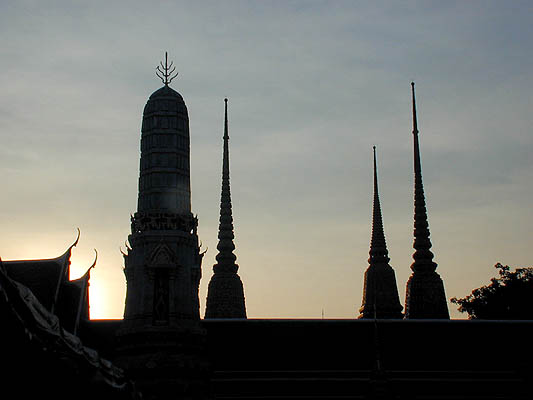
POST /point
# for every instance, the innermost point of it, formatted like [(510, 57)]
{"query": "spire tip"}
[(415, 123)]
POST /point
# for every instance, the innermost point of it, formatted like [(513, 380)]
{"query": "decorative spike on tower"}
[(225, 298), (161, 334), (380, 293), (425, 297)]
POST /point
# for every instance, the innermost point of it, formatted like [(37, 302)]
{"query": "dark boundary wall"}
[(419, 359), (402, 344)]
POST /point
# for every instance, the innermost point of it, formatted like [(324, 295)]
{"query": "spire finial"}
[(415, 125), (165, 73), (226, 136)]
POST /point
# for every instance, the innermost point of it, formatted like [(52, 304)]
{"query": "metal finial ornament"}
[(166, 72)]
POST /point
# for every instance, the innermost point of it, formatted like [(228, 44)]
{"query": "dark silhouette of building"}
[(225, 297), (380, 293), (166, 351), (160, 339), (425, 297), (41, 310), (163, 265)]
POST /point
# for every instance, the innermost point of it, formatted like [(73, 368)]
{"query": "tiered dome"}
[(164, 184)]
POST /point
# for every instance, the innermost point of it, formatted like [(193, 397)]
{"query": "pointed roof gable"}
[(43, 277)]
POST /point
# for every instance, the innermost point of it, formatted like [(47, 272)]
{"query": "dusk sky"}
[(312, 86)]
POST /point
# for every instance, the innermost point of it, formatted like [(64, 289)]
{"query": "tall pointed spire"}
[(425, 297), (225, 298), (423, 256), (378, 246), (380, 293), (225, 257)]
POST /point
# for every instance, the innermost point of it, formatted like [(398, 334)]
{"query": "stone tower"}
[(380, 293), (425, 297), (161, 333), (225, 298)]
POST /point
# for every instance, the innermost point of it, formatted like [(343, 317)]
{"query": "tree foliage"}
[(509, 296)]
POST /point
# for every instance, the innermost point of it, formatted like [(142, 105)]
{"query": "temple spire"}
[(425, 297), (225, 257), (380, 293), (225, 298), (378, 246), (423, 257)]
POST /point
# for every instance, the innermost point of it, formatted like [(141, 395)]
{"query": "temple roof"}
[(41, 276), (37, 335), (49, 281)]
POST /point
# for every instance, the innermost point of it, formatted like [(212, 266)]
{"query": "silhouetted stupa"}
[(380, 293), (160, 335), (225, 297), (425, 297)]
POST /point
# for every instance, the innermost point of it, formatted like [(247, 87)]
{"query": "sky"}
[(312, 86)]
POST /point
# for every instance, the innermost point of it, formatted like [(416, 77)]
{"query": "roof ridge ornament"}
[(94, 262), (165, 73)]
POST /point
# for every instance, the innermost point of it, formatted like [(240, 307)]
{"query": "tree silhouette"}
[(509, 296)]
